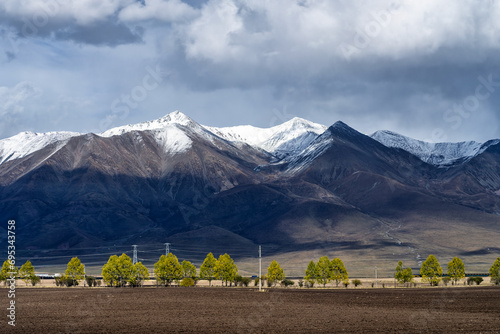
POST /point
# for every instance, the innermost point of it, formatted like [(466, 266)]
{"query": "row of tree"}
[(325, 271), (120, 271), (26, 273), (431, 271), (75, 271)]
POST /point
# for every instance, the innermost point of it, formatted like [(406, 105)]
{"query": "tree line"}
[(432, 272), (120, 271), (325, 271)]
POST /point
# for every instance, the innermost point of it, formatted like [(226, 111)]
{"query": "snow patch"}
[(438, 154), (282, 140), (301, 161), (25, 143), (175, 117), (173, 139)]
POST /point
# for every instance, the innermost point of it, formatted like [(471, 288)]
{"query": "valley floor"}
[(231, 310)]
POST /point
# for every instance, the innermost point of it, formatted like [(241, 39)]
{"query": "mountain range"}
[(299, 189)]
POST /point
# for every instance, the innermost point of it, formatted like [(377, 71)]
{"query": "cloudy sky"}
[(427, 69)]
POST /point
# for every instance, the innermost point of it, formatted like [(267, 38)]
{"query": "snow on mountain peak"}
[(175, 132), (27, 142), (168, 131), (438, 154), (282, 140), (175, 117)]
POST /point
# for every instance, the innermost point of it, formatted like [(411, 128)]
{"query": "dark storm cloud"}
[(44, 25), (405, 63), (389, 64), (102, 33)]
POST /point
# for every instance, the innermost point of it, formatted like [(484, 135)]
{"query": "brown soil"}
[(223, 310)]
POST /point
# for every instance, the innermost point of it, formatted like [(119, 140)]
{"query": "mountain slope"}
[(300, 191), (282, 140), (26, 143), (119, 185), (438, 154)]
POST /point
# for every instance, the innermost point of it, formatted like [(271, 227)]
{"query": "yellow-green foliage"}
[(168, 269), (207, 269), (431, 270), (75, 270), (456, 269), (275, 273), (225, 269)]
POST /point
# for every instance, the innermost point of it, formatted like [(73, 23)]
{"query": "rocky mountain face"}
[(438, 154), (300, 189)]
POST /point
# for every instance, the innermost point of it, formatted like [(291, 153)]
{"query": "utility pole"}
[(260, 269), (376, 284), (134, 258), (84, 276), (167, 248)]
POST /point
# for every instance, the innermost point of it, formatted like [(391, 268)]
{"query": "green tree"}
[(110, 273), (187, 281), (188, 269), (495, 272), (27, 272), (118, 270), (207, 269), (6, 271), (338, 271), (323, 270), (91, 280), (275, 273), (244, 281), (225, 269), (139, 274), (75, 270), (168, 269), (311, 273), (403, 275), (356, 282), (478, 280), (35, 280), (125, 268), (456, 269), (431, 271)]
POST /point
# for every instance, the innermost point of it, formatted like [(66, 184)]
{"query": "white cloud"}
[(280, 52), (211, 35), (304, 29), (13, 99)]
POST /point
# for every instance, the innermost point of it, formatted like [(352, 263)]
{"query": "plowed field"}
[(231, 310)]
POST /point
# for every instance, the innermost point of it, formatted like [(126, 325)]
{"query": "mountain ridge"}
[(284, 140), (341, 193)]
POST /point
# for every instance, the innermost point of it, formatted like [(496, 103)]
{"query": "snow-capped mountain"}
[(316, 148), (175, 117), (438, 154), (297, 186), (285, 142), (169, 131), (174, 131), (282, 140), (25, 143)]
